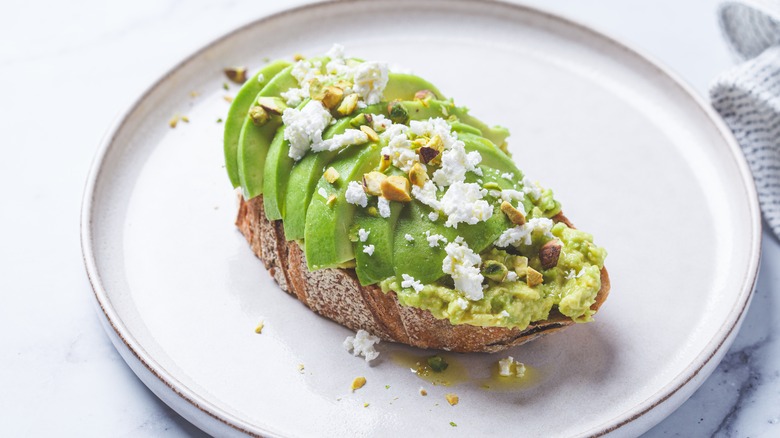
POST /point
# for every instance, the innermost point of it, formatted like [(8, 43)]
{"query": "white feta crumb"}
[(508, 367), (508, 175), (455, 162), (463, 202), (427, 195), (522, 233), (379, 122), (383, 205), (399, 147), (462, 264), (435, 239), (409, 237), (304, 127), (511, 276), (338, 141), (370, 80), (362, 344), (363, 234), (260, 78), (433, 216), (368, 249), (460, 302), (531, 188), (322, 192), (355, 194), (410, 282), (504, 314)]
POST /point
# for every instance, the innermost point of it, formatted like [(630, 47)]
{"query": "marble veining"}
[(76, 65)]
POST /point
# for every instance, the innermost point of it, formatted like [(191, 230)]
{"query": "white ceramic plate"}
[(633, 155)]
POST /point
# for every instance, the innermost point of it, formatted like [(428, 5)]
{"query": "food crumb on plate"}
[(358, 383), (452, 399)]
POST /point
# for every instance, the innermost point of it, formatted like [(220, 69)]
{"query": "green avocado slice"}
[(276, 172), (403, 86), (254, 141), (375, 267), (239, 109), (492, 156), (326, 236), (416, 257)]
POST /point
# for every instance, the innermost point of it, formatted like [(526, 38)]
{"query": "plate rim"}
[(118, 332)]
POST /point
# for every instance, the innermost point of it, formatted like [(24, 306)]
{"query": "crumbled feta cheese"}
[(399, 148), (511, 276), (409, 237), (434, 239), (435, 126), (304, 127), (531, 188), (363, 234), (504, 314), (368, 249), (383, 205), (433, 216), (380, 123), (355, 194), (362, 344), (322, 192), (260, 77), (463, 202), (370, 80), (455, 162), (508, 367), (338, 141), (462, 264), (427, 195), (410, 282), (508, 175), (522, 233), (460, 302), (510, 195)]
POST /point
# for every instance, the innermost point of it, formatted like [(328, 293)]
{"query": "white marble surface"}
[(67, 68)]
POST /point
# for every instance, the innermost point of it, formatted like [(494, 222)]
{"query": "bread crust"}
[(338, 295)]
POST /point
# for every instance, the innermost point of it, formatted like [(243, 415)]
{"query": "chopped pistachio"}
[(358, 383), (298, 57), (452, 399), (372, 135), (437, 363), (331, 175), (331, 97), (331, 200), (515, 216), (396, 188), (549, 254), (491, 186), (300, 368), (384, 162), (387, 386), (258, 115), (274, 105), (194, 94), (228, 99), (361, 119), (173, 121), (418, 175), (427, 154), (236, 74), (533, 277), (372, 211), (437, 145), (348, 104), (452, 423), (397, 112), (219, 120), (372, 182), (225, 86), (419, 142), (521, 265), (424, 95), (365, 405), (259, 328), (494, 270)]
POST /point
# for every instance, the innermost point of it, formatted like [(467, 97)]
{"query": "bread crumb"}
[(452, 399), (423, 392), (358, 383)]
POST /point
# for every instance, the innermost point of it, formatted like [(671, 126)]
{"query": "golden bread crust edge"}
[(337, 295)]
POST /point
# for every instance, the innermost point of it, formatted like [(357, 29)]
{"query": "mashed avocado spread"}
[(378, 170)]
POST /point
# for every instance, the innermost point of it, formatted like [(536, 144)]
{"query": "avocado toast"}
[(383, 206)]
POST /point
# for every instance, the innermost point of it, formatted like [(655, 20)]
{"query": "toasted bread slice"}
[(337, 295)]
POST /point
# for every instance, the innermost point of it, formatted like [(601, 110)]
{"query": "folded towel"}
[(748, 96)]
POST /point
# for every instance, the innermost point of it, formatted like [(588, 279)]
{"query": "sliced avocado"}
[(238, 111), (326, 235), (304, 177), (421, 110), (375, 267), (254, 140), (276, 171), (404, 86), (416, 257), (492, 156)]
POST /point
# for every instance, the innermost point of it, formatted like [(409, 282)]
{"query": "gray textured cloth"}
[(748, 96)]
